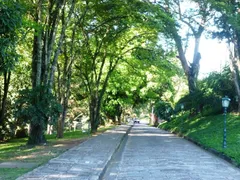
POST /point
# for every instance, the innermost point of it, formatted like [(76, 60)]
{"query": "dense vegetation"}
[(62, 61)]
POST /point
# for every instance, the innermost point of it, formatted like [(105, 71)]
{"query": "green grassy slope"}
[(208, 131)]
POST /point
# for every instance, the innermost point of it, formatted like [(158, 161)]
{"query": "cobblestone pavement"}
[(86, 161), (153, 154), (146, 153)]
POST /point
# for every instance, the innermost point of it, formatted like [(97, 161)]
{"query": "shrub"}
[(37, 107)]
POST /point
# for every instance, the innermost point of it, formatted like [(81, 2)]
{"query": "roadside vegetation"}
[(65, 63)]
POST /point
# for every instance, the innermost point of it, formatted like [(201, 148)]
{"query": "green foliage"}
[(218, 83), (10, 22), (37, 106), (208, 131), (207, 99), (110, 33), (227, 19), (216, 86), (200, 102), (163, 110)]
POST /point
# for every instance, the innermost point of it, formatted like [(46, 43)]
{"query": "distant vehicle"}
[(135, 120)]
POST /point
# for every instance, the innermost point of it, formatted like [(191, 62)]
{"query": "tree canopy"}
[(60, 60)]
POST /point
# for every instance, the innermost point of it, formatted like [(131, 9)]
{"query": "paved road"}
[(86, 161), (146, 153), (152, 154)]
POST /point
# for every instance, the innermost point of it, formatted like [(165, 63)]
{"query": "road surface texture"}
[(135, 153), (152, 154), (87, 161)]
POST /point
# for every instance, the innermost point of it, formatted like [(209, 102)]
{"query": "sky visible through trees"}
[(65, 60), (214, 56)]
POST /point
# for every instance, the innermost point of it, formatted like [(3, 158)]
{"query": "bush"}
[(201, 102), (38, 107), (207, 99), (163, 110)]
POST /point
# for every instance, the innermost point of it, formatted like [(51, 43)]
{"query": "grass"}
[(208, 131), (16, 150), (9, 174)]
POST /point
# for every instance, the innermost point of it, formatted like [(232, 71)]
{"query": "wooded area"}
[(64, 59)]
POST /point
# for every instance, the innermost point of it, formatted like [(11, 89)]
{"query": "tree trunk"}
[(36, 135), (191, 72), (94, 113), (65, 23), (60, 127), (235, 72), (7, 77), (64, 87), (61, 121), (119, 114), (49, 129), (192, 82), (37, 49)]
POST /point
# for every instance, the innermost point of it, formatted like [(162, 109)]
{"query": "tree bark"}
[(37, 49), (7, 77), (94, 113), (65, 22), (191, 70), (235, 72), (36, 135), (64, 83), (61, 121)]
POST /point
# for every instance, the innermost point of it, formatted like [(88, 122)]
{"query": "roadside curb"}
[(210, 150), (213, 151), (112, 155)]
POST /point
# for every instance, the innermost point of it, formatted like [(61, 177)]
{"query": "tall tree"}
[(145, 76), (110, 31), (51, 18), (228, 25), (64, 73), (11, 15), (190, 18)]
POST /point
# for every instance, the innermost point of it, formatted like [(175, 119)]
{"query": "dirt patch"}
[(41, 154)]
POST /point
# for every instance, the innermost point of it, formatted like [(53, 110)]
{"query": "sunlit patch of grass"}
[(105, 128), (208, 131)]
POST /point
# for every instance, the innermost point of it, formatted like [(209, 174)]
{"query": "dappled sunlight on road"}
[(147, 131), (151, 134), (115, 132)]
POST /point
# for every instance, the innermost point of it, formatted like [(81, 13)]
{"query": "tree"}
[(190, 21), (111, 31), (51, 19), (228, 28), (11, 15), (145, 76), (64, 71)]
